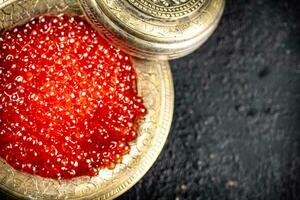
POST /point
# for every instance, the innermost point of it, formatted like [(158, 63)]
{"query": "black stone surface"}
[(236, 127)]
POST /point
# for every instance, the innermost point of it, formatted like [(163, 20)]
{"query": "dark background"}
[(236, 127)]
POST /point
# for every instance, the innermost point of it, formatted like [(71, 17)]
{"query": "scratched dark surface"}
[(236, 127)]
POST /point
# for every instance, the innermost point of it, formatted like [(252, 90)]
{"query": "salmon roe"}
[(68, 99)]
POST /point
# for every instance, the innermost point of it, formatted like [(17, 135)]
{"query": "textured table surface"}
[(236, 127)]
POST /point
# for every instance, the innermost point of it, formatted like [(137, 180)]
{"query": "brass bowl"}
[(154, 85)]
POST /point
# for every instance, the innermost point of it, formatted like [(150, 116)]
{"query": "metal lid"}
[(155, 29)]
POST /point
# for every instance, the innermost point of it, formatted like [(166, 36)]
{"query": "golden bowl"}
[(154, 85)]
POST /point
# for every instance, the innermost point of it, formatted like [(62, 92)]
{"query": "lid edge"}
[(140, 46)]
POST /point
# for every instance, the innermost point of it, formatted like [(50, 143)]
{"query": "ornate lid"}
[(155, 29)]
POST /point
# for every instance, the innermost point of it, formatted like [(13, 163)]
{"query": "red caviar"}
[(68, 99)]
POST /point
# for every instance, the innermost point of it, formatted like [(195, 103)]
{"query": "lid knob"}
[(155, 29)]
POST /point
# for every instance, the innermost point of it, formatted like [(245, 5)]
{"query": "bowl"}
[(155, 86)]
